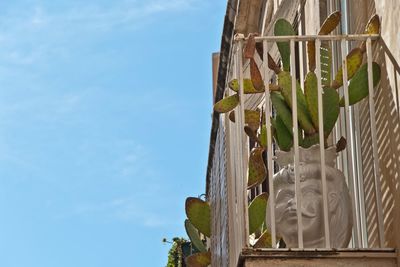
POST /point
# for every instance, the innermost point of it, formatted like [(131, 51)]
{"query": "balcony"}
[(369, 163)]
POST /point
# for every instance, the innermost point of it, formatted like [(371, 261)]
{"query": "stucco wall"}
[(389, 12), (219, 204)]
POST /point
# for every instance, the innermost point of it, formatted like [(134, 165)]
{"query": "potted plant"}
[(307, 100)]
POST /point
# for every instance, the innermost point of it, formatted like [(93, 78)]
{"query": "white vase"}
[(339, 201)]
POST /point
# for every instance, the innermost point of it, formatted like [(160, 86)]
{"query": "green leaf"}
[(202, 259), (311, 95), (248, 87), (257, 169), (227, 104), (330, 23), (331, 109), (358, 87), (264, 241), (282, 135), (309, 140), (194, 236), (373, 27), (282, 109), (251, 117), (330, 100), (327, 27), (303, 115), (257, 211), (251, 134), (354, 60), (311, 55), (284, 28), (262, 137), (199, 214)]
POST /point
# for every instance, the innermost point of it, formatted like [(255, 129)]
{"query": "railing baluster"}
[(322, 146), (378, 193), (237, 153), (350, 176), (296, 146), (359, 172), (269, 145), (243, 147)]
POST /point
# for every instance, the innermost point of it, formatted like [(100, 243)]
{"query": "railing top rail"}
[(300, 38)]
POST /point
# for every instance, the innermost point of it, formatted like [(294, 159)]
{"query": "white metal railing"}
[(350, 162)]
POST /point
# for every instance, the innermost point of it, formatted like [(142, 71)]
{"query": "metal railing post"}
[(296, 146), (322, 145), (378, 193)]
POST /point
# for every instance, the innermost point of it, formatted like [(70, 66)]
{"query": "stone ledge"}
[(317, 257)]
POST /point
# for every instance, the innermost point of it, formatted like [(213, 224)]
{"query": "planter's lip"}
[(309, 155)]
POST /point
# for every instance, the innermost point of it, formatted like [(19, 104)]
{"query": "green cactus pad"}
[(283, 28), (257, 170), (331, 109), (199, 214), (202, 259), (327, 27), (303, 115), (282, 109), (354, 60), (330, 100), (264, 241), (282, 135), (331, 22), (193, 235), (248, 87), (251, 117), (311, 55), (257, 211), (373, 27), (309, 140), (227, 104), (263, 136), (310, 92), (358, 87)]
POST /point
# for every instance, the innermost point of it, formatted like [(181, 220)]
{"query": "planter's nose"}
[(292, 204)]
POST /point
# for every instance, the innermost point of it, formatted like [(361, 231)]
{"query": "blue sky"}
[(105, 114)]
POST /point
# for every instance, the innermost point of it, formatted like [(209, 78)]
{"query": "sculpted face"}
[(339, 207), (311, 210)]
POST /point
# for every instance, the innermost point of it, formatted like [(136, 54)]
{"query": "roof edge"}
[(226, 43)]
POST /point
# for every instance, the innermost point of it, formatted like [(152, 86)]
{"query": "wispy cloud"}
[(31, 33), (128, 210)]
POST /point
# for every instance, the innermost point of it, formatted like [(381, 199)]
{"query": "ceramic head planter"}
[(339, 202)]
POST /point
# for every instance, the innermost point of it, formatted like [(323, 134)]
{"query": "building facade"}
[(371, 162)]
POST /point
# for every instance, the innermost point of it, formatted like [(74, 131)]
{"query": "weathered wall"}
[(387, 124), (389, 12), (219, 204)]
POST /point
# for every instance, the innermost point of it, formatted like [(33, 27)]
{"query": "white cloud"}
[(34, 32), (128, 210)]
